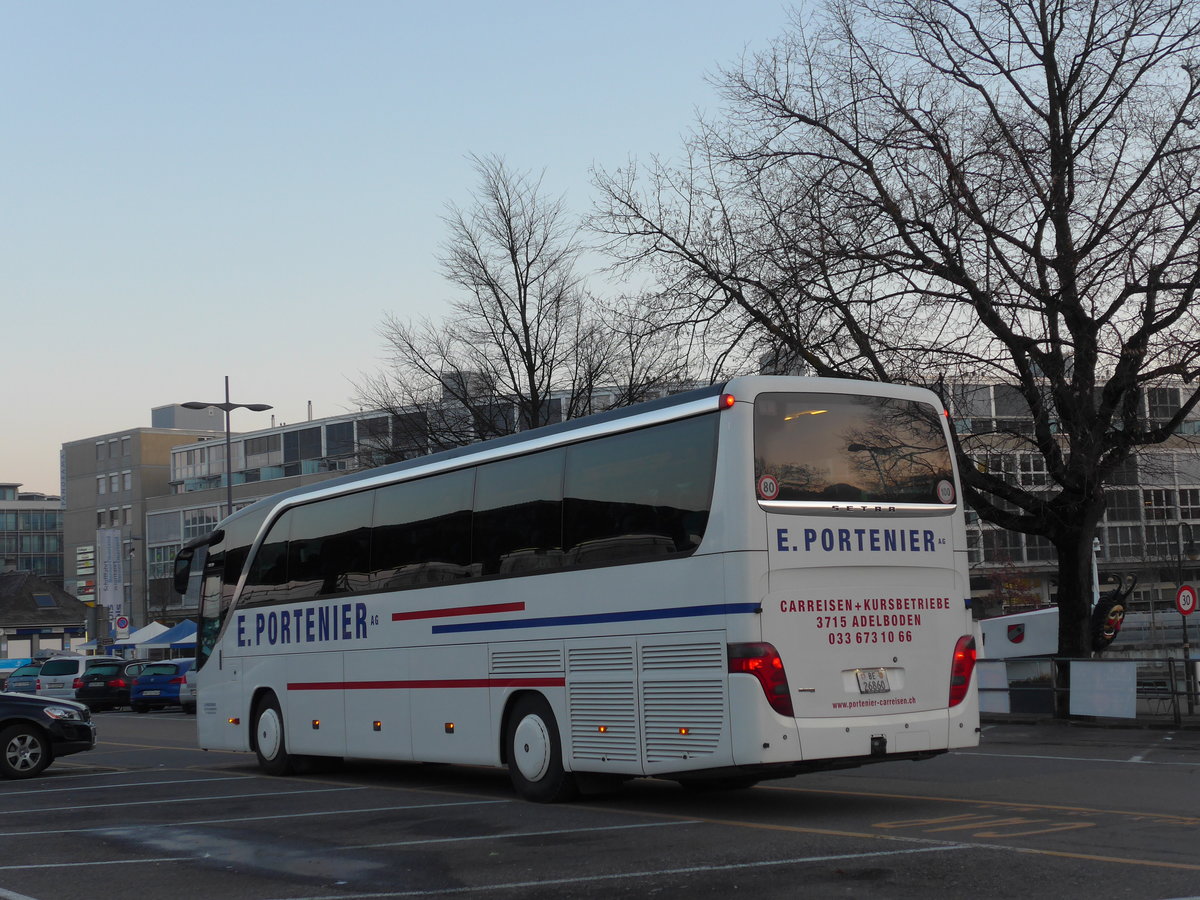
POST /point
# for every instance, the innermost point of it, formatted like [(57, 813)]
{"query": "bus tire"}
[(270, 744), (534, 752)]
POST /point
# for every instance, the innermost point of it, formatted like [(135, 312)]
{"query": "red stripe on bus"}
[(425, 685), (458, 611)]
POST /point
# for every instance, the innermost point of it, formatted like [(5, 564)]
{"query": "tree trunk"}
[(1074, 592)]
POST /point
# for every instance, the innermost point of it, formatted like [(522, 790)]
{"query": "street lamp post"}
[(228, 408)]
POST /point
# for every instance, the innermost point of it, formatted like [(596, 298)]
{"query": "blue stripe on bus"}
[(675, 612)]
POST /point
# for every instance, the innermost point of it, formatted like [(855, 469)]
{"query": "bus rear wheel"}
[(270, 745), (534, 752)]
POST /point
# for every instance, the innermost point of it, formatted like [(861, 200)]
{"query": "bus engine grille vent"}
[(683, 719), (709, 655), (603, 721), (600, 659), (505, 662)]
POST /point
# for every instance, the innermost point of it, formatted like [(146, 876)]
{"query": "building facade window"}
[(1157, 504)]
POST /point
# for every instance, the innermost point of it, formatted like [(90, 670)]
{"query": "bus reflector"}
[(961, 669), (727, 401), (449, 726), (763, 662)]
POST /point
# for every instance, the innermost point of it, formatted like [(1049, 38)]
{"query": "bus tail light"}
[(763, 662), (727, 401), (961, 669)]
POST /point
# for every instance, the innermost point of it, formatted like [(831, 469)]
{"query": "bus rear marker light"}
[(316, 724), (377, 726), (449, 728), (602, 728)]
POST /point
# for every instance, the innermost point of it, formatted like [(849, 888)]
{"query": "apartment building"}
[(31, 533)]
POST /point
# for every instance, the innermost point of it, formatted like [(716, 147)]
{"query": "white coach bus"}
[(748, 581)]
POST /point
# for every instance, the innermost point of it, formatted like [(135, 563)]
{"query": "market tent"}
[(139, 637), (181, 637)]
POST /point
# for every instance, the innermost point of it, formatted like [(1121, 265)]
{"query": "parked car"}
[(108, 684), (24, 679), (187, 694), (159, 685), (35, 731), (8, 666), (59, 674)]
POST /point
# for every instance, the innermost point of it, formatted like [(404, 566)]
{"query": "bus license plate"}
[(872, 681)]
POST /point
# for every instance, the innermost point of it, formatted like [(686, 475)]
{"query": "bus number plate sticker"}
[(872, 681)]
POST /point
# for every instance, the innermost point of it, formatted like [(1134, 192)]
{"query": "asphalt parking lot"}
[(148, 815)]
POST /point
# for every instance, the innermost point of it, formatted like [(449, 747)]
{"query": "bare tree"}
[(524, 344), (935, 192)]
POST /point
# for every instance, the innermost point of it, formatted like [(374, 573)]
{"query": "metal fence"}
[(1153, 688)]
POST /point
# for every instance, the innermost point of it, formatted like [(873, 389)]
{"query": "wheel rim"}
[(23, 753), (270, 733), (531, 748)]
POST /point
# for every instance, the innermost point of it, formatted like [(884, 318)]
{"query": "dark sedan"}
[(107, 685), (34, 731)]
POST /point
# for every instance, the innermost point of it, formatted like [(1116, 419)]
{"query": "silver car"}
[(59, 673)]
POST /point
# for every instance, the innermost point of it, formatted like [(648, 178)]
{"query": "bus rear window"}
[(839, 448)]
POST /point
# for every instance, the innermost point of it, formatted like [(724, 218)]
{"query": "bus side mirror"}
[(183, 570)]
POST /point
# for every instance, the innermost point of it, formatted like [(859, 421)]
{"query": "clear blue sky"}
[(193, 190)]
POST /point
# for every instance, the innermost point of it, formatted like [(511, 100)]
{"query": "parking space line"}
[(160, 802), (98, 862), (1090, 759), (616, 876), (132, 784), (13, 895), (309, 814), (1007, 804), (519, 834)]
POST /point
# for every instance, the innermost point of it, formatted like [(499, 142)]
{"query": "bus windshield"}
[(841, 448)]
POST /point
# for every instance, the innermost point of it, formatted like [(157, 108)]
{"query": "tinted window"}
[(422, 531), (61, 667), (841, 448), (27, 670), (266, 581), (518, 515), (105, 669), (329, 549), (639, 495), (161, 669)]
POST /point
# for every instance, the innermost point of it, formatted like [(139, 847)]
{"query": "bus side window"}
[(266, 581), (517, 526), (640, 495), (421, 532)]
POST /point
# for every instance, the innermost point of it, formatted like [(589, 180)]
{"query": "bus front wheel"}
[(270, 745), (534, 752)]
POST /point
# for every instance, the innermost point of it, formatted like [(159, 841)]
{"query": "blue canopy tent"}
[(181, 637)]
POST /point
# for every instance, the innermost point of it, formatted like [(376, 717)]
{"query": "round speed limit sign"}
[(1185, 599)]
